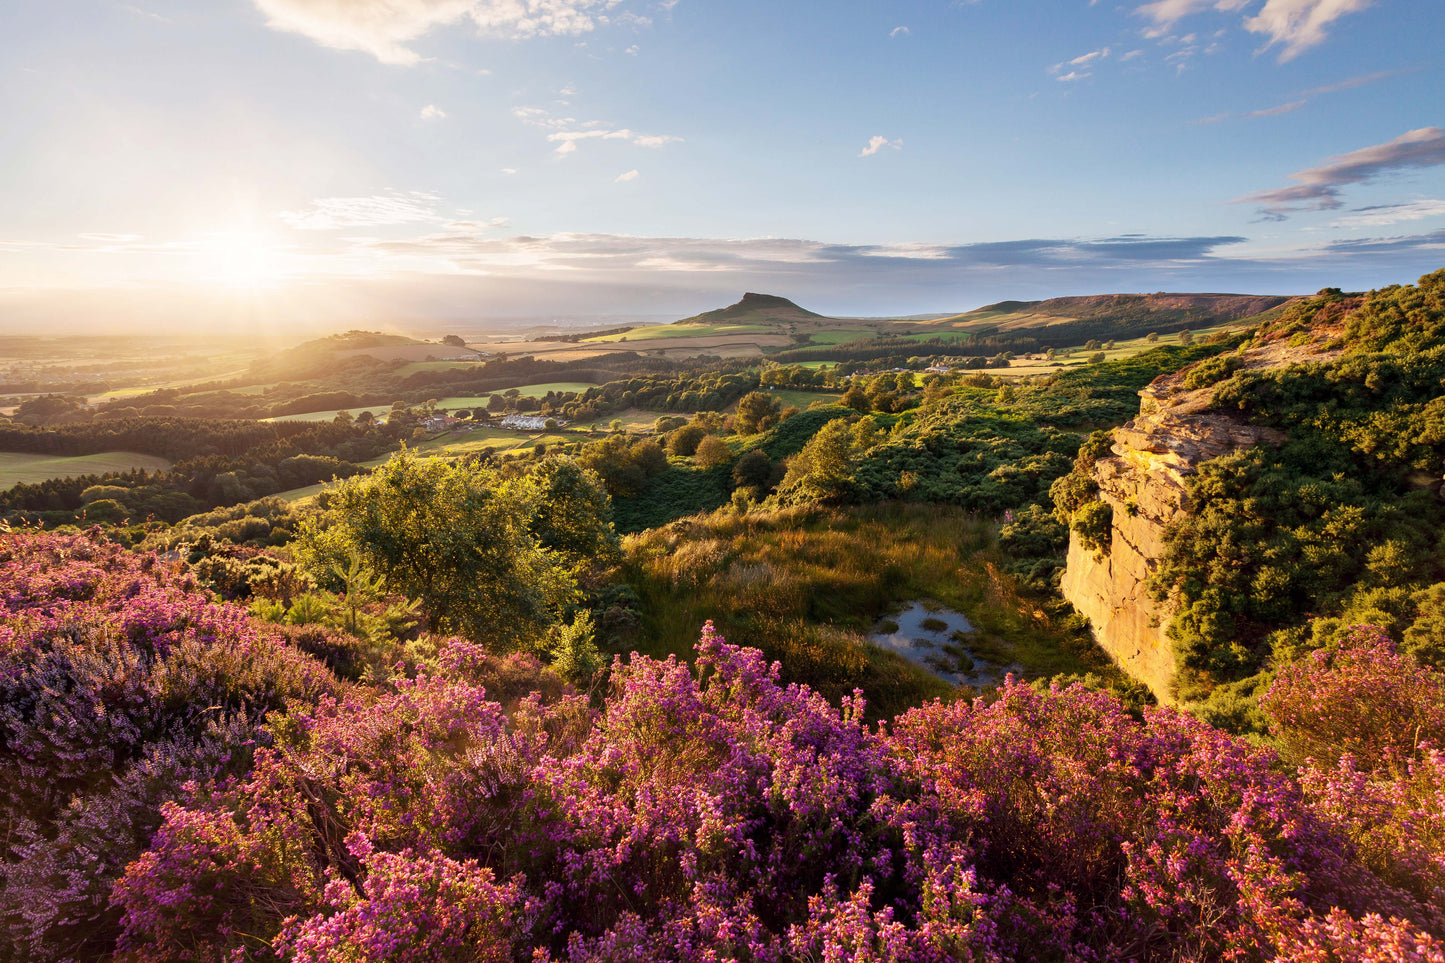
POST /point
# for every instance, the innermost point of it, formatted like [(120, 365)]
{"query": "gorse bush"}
[(1337, 522)]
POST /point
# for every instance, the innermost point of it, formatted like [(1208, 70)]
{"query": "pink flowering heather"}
[(715, 814), (1360, 697), (118, 683)]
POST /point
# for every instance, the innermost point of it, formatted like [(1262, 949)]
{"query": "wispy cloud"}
[(631, 175), (1382, 214), (386, 28), (1319, 188), (1305, 96), (432, 112), (1353, 82), (1274, 111), (331, 213), (877, 142), (567, 132), (899, 31), (1297, 25), (1081, 65), (1293, 25), (567, 140), (1164, 14)]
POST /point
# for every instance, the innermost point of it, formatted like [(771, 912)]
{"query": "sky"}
[(278, 165)]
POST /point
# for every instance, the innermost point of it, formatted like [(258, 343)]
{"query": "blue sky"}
[(335, 162)]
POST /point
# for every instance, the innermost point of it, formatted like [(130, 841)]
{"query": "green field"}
[(948, 337), (664, 331), (537, 391), (376, 410), (455, 404), (839, 335), (415, 366), (803, 399), (16, 467)]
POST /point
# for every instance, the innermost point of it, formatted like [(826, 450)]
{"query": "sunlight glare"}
[(243, 260)]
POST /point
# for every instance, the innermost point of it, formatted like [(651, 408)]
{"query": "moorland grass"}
[(805, 585)]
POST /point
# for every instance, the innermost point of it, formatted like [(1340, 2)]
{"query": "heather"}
[(716, 813), (119, 683)]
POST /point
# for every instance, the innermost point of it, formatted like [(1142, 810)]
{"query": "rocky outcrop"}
[(1143, 482)]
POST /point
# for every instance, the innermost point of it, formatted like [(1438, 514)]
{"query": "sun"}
[(243, 260)]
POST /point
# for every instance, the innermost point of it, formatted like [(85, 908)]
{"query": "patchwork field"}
[(18, 467)]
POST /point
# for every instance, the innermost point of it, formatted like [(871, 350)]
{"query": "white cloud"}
[(1392, 214), (624, 178), (432, 112), (509, 170), (1166, 13), (1073, 75), (331, 213), (1298, 25), (567, 140), (386, 28), (632, 50), (1295, 25), (877, 142), (899, 32)]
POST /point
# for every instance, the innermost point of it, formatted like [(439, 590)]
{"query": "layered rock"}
[(1143, 482)]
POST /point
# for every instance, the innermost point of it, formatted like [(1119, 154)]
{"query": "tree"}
[(713, 451), (455, 340), (1186, 337), (1152, 337), (857, 399), (571, 514), (823, 469), (684, 441), (753, 470), (757, 411), (451, 538)]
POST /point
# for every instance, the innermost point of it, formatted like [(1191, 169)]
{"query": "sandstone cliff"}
[(1143, 483)]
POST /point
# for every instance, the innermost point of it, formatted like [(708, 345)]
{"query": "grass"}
[(803, 399), (666, 331), (453, 404), (839, 335), (415, 366), (16, 467), (806, 585), (377, 410), (537, 391)]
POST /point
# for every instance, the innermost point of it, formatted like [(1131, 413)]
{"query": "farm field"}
[(416, 366), (839, 335), (377, 411), (21, 467), (1121, 349), (802, 399), (538, 391), (665, 331)]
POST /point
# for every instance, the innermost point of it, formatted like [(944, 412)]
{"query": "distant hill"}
[(1121, 314), (755, 309)]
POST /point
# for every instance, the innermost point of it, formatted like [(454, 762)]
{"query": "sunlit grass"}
[(806, 585)]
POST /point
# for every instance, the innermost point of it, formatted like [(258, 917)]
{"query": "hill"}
[(755, 309), (1112, 315)]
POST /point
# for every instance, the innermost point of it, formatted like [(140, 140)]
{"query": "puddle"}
[(936, 639)]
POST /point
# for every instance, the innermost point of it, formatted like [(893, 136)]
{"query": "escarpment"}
[(1143, 483)]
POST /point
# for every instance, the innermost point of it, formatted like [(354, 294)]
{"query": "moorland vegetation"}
[(480, 706)]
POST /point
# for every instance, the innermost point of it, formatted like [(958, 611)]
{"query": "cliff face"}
[(1143, 482)]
